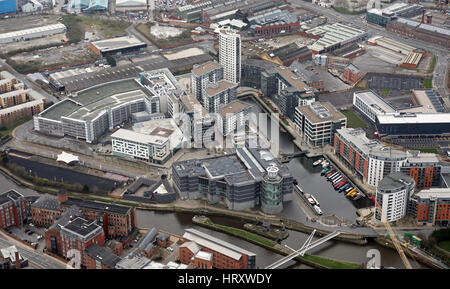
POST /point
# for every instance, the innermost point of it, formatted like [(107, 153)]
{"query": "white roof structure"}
[(434, 193), (215, 244), (412, 118), (10, 253), (334, 34), (67, 158), (128, 3), (27, 32), (204, 255), (117, 43)]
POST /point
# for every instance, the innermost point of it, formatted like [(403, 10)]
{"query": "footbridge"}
[(306, 246)]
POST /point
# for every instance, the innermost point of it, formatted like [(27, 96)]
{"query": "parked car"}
[(170, 249)]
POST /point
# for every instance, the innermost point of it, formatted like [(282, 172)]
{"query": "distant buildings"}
[(274, 22), (8, 6), (230, 54), (368, 159), (318, 122), (383, 16), (416, 30), (334, 36), (287, 54), (206, 251), (17, 102), (119, 45), (32, 6), (13, 209), (393, 193), (37, 32), (431, 206)]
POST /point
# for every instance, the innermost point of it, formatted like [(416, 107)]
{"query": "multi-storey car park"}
[(93, 111)]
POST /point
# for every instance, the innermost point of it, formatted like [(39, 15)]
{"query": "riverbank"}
[(311, 260)]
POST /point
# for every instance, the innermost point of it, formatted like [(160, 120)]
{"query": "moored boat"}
[(316, 163)]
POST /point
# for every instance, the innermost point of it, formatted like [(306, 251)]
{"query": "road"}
[(440, 71), (36, 259)]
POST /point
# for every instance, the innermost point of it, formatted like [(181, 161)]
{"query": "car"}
[(31, 225), (170, 249)]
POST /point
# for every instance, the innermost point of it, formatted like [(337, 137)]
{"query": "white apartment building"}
[(233, 116), (216, 95), (367, 158), (393, 193), (230, 54), (371, 105), (202, 75), (318, 122)]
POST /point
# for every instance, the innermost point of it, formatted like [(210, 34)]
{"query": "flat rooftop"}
[(207, 67), (27, 32), (291, 78), (215, 88), (117, 43), (438, 193), (319, 112), (215, 244), (414, 118), (89, 103), (394, 181), (233, 107), (82, 227), (375, 102)]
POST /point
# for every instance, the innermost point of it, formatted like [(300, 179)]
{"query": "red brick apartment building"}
[(431, 206), (351, 74), (45, 210), (98, 257), (206, 251), (13, 209)]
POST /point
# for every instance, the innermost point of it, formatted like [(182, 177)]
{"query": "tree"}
[(85, 189), (111, 61)]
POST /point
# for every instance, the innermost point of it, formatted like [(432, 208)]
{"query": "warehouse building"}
[(334, 36), (422, 31), (118, 45), (383, 16), (131, 5), (368, 159), (411, 57), (21, 35), (393, 193), (95, 110), (318, 122), (287, 54), (273, 23), (8, 6)]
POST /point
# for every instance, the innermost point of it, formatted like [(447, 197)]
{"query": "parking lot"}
[(30, 234)]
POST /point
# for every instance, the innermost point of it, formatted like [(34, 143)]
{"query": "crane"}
[(394, 239)]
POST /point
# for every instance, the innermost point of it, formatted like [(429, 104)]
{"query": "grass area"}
[(432, 64), (428, 150), (184, 37), (353, 121), (445, 245), (386, 91), (75, 28), (109, 28), (243, 233), (428, 83), (360, 88), (329, 263), (346, 11), (7, 129)]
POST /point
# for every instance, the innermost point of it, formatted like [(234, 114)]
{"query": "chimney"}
[(423, 16), (62, 196), (17, 260)]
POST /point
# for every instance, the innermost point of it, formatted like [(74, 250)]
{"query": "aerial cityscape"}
[(224, 134)]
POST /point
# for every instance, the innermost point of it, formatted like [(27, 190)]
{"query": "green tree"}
[(111, 61)]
